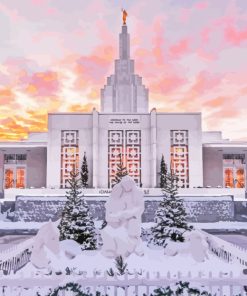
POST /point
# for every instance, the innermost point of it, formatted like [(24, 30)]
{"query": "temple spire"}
[(124, 91), (124, 39)]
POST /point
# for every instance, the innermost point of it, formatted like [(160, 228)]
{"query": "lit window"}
[(128, 144), (69, 155), (180, 156), (234, 170)]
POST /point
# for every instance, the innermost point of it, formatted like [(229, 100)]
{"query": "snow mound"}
[(70, 248)]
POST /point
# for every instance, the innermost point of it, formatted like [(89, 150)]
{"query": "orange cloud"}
[(217, 102), (81, 108), (6, 96)]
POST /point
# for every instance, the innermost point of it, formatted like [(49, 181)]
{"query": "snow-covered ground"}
[(215, 225), (153, 261), (221, 225)]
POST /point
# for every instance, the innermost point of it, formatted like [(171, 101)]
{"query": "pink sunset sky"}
[(56, 54)]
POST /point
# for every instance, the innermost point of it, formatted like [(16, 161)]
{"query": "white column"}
[(95, 147), (153, 143)]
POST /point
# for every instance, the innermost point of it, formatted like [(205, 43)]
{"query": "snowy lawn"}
[(153, 261), (215, 225)]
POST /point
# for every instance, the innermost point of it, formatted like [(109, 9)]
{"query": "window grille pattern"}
[(128, 144), (180, 156), (69, 155), (15, 158)]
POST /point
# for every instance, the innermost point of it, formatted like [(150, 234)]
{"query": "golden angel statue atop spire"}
[(125, 14)]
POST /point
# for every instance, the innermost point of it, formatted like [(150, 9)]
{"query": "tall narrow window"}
[(69, 155), (15, 170), (234, 170), (180, 156), (128, 144)]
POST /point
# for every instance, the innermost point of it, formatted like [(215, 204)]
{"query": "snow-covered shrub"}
[(181, 288), (76, 222), (170, 216), (71, 287)]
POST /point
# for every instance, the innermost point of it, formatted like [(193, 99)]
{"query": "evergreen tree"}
[(84, 172), (121, 171), (163, 172), (76, 222), (170, 216)]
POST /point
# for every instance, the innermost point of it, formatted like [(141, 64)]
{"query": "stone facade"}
[(42, 209)]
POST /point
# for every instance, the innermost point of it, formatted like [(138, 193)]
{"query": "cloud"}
[(42, 84), (190, 54), (205, 81), (179, 48), (6, 96), (235, 36)]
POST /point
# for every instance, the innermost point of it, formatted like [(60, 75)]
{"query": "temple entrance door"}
[(9, 179), (20, 177), (14, 176), (234, 177), (239, 178)]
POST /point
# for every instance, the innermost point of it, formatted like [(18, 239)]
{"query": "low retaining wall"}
[(41, 209), (240, 209)]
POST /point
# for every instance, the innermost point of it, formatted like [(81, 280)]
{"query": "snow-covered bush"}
[(76, 222), (170, 216), (71, 287), (181, 288)]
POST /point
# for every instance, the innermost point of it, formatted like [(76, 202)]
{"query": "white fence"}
[(126, 285), (227, 251), (14, 258), (129, 284)]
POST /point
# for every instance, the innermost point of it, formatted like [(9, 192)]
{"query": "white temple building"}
[(125, 125)]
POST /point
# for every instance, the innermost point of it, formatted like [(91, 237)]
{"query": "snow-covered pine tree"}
[(121, 171), (163, 172), (170, 216), (84, 172), (76, 222)]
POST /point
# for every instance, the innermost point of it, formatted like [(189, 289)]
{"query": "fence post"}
[(126, 280), (210, 282), (136, 286), (147, 286), (115, 287), (94, 282), (105, 280), (221, 286), (231, 286)]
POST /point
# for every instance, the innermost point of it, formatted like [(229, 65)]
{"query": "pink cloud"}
[(166, 84), (179, 48), (185, 15), (201, 5), (39, 2), (235, 36), (12, 14), (42, 83), (205, 81)]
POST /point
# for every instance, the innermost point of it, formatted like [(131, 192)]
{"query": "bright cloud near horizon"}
[(56, 54)]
